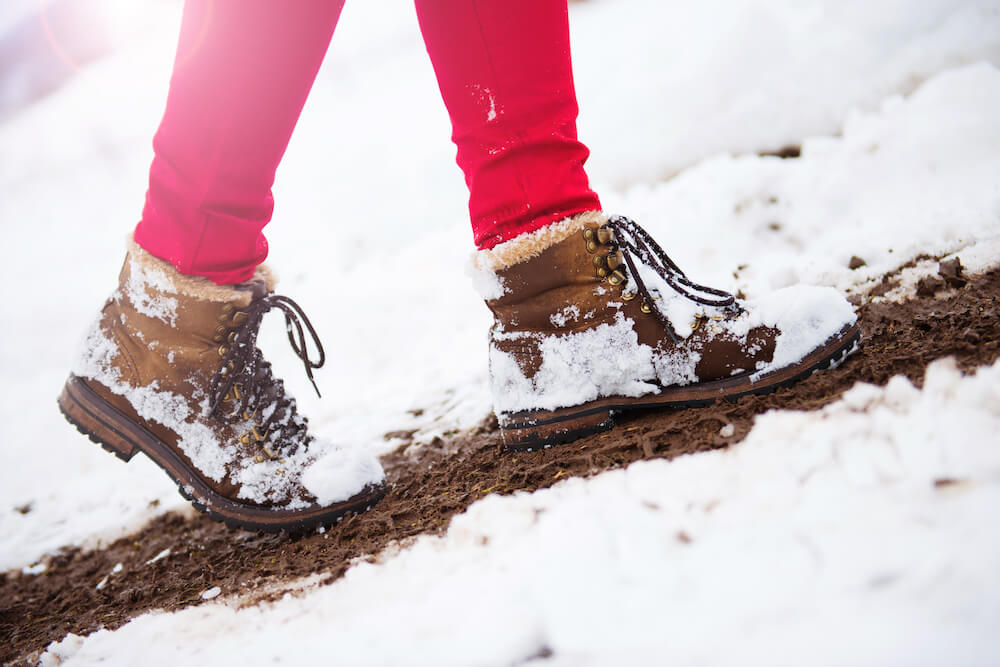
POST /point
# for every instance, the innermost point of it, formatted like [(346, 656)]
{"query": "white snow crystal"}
[(211, 593), (570, 313), (158, 557)]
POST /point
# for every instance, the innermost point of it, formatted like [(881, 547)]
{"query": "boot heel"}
[(537, 430), (94, 417)]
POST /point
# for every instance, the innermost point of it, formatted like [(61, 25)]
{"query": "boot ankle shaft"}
[(559, 286), (164, 329)]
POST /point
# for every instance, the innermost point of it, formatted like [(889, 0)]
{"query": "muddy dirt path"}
[(432, 483)]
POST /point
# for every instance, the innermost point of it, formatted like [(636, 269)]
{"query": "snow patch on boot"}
[(340, 472), (805, 317), (196, 440), (607, 360), (146, 289), (485, 281)]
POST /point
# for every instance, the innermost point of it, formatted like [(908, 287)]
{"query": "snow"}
[(858, 534), (37, 568), (606, 360), (211, 593), (158, 557), (805, 317), (895, 107)]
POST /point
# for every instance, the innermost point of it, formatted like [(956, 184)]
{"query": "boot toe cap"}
[(804, 317)]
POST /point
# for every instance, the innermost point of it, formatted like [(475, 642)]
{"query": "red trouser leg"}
[(242, 73), (505, 74)]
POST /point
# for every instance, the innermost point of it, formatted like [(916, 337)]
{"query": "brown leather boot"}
[(172, 369), (592, 318)]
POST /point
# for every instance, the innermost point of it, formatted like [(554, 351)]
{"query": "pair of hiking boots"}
[(591, 319)]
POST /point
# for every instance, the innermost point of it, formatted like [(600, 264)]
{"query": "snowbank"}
[(859, 534)]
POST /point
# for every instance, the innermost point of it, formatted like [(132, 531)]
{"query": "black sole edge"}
[(295, 530), (562, 438)]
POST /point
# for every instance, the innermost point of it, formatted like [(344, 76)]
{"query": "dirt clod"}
[(951, 272), (929, 286), (431, 483), (856, 263)]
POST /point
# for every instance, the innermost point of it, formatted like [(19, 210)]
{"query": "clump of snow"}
[(211, 593), (115, 570), (56, 653), (485, 280), (35, 569), (147, 288), (158, 557), (570, 313), (340, 472), (606, 360), (804, 316)]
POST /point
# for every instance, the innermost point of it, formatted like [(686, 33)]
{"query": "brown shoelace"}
[(636, 242), (247, 377)]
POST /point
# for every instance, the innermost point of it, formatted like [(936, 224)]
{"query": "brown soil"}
[(431, 483)]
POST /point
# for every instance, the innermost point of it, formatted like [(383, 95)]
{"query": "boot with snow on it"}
[(591, 318), (171, 368)]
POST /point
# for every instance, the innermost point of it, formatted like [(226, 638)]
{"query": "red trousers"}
[(241, 76)]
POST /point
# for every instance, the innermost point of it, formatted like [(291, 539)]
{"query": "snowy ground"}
[(897, 108)]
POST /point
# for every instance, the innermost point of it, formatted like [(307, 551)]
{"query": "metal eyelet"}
[(645, 308), (617, 277), (223, 350), (628, 296), (591, 247), (588, 234), (615, 260), (240, 318)]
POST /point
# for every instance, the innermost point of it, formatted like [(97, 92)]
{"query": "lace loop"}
[(636, 242)]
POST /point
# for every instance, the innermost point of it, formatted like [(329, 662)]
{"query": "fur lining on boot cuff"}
[(524, 247), (484, 264), (198, 287)]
